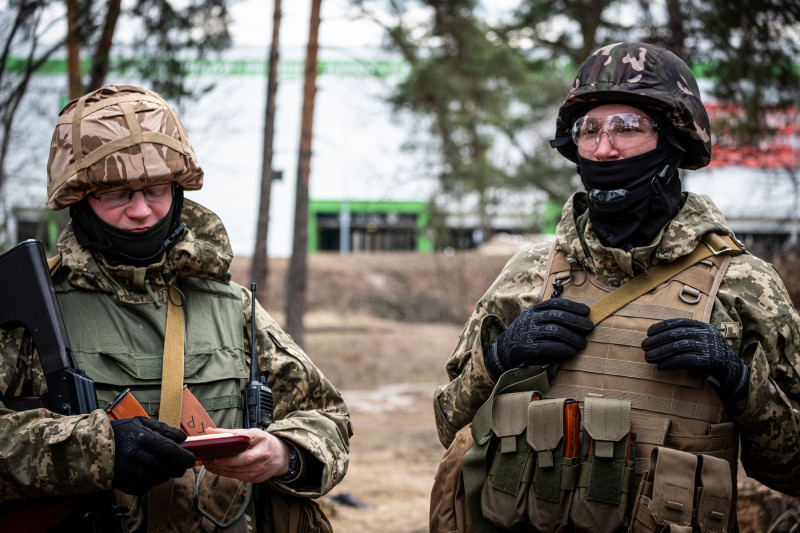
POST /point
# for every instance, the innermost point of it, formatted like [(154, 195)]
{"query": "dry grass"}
[(788, 266), (400, 286), (387, 371)]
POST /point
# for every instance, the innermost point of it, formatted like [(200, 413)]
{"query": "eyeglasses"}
[(624, 130), (152, 194)]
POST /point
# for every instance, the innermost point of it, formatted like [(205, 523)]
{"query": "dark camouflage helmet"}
[(127, 135), (646, 76)]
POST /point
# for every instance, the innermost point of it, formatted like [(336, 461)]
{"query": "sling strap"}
[(712, 244), (171, 402)]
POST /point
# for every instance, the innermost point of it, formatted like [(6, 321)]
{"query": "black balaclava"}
[(118, 246), (631, 199)]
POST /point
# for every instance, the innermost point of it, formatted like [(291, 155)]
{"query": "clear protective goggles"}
[(624, 130)]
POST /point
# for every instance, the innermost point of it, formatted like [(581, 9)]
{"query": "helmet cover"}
[(644, 76), (127, 135)]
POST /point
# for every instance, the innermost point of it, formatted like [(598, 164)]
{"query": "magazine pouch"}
[(552, 433), (683, 492), (600, 500), (511, 462)]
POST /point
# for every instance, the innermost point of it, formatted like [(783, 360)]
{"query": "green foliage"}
[(487, 106), (752, 54), (488, 91), (169, 35)]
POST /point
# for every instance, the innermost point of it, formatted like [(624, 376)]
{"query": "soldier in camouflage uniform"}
[(120, 256), (632, 117)]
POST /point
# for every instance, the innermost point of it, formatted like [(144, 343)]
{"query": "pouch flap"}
[(509, 413), (649, 428), (606, 419), (545, 424), (673, 486), (716, 494)]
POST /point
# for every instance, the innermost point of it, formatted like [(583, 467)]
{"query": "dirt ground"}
[(387, 360), (386, 371)]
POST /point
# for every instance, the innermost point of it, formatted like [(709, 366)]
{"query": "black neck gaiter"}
[(631, 199), (118, 246)]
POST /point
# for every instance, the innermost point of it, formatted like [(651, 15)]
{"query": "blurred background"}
[(407, 140)]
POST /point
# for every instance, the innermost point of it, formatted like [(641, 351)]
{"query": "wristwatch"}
[(294, 465)]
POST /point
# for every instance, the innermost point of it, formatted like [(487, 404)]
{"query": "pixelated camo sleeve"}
[(518, 286), (754, 297), (43, 453)]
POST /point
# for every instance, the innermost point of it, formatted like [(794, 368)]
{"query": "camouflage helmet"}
[(127, 135), (646, 76)]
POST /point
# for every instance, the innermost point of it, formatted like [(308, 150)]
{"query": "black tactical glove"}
[(692, 345), (544, 333), (147, 453)]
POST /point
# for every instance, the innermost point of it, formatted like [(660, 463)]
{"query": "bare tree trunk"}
[(14, 86), (259, 269), (73, 51), (296, 286), (101, 54)]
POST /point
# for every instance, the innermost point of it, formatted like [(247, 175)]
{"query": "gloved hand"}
[(544, 333), (147, 453), (692, 345)]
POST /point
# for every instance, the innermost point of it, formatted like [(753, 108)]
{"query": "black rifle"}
[(257, 395), (29, 300)]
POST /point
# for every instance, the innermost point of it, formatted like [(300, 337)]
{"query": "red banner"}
[(780, 149)]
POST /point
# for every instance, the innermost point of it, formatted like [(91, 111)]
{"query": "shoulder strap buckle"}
[(717, 244)]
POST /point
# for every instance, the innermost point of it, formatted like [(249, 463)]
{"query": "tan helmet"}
[(128, 135)]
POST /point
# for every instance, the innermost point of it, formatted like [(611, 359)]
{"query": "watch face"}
[(294, 465), (294, 462)]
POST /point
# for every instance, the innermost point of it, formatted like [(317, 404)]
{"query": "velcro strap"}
[(715, 495), (510, 468), (673, 486)]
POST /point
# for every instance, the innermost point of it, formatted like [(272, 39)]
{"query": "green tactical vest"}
[(120, 345)]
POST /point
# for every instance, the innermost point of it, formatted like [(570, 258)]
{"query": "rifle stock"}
[(34, 306), (29, 300)]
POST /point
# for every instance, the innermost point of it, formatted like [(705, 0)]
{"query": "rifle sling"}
[(171, 402), (712, 244)]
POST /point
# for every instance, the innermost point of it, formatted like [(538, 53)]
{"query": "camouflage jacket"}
[(751, 295), (309, 411)]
